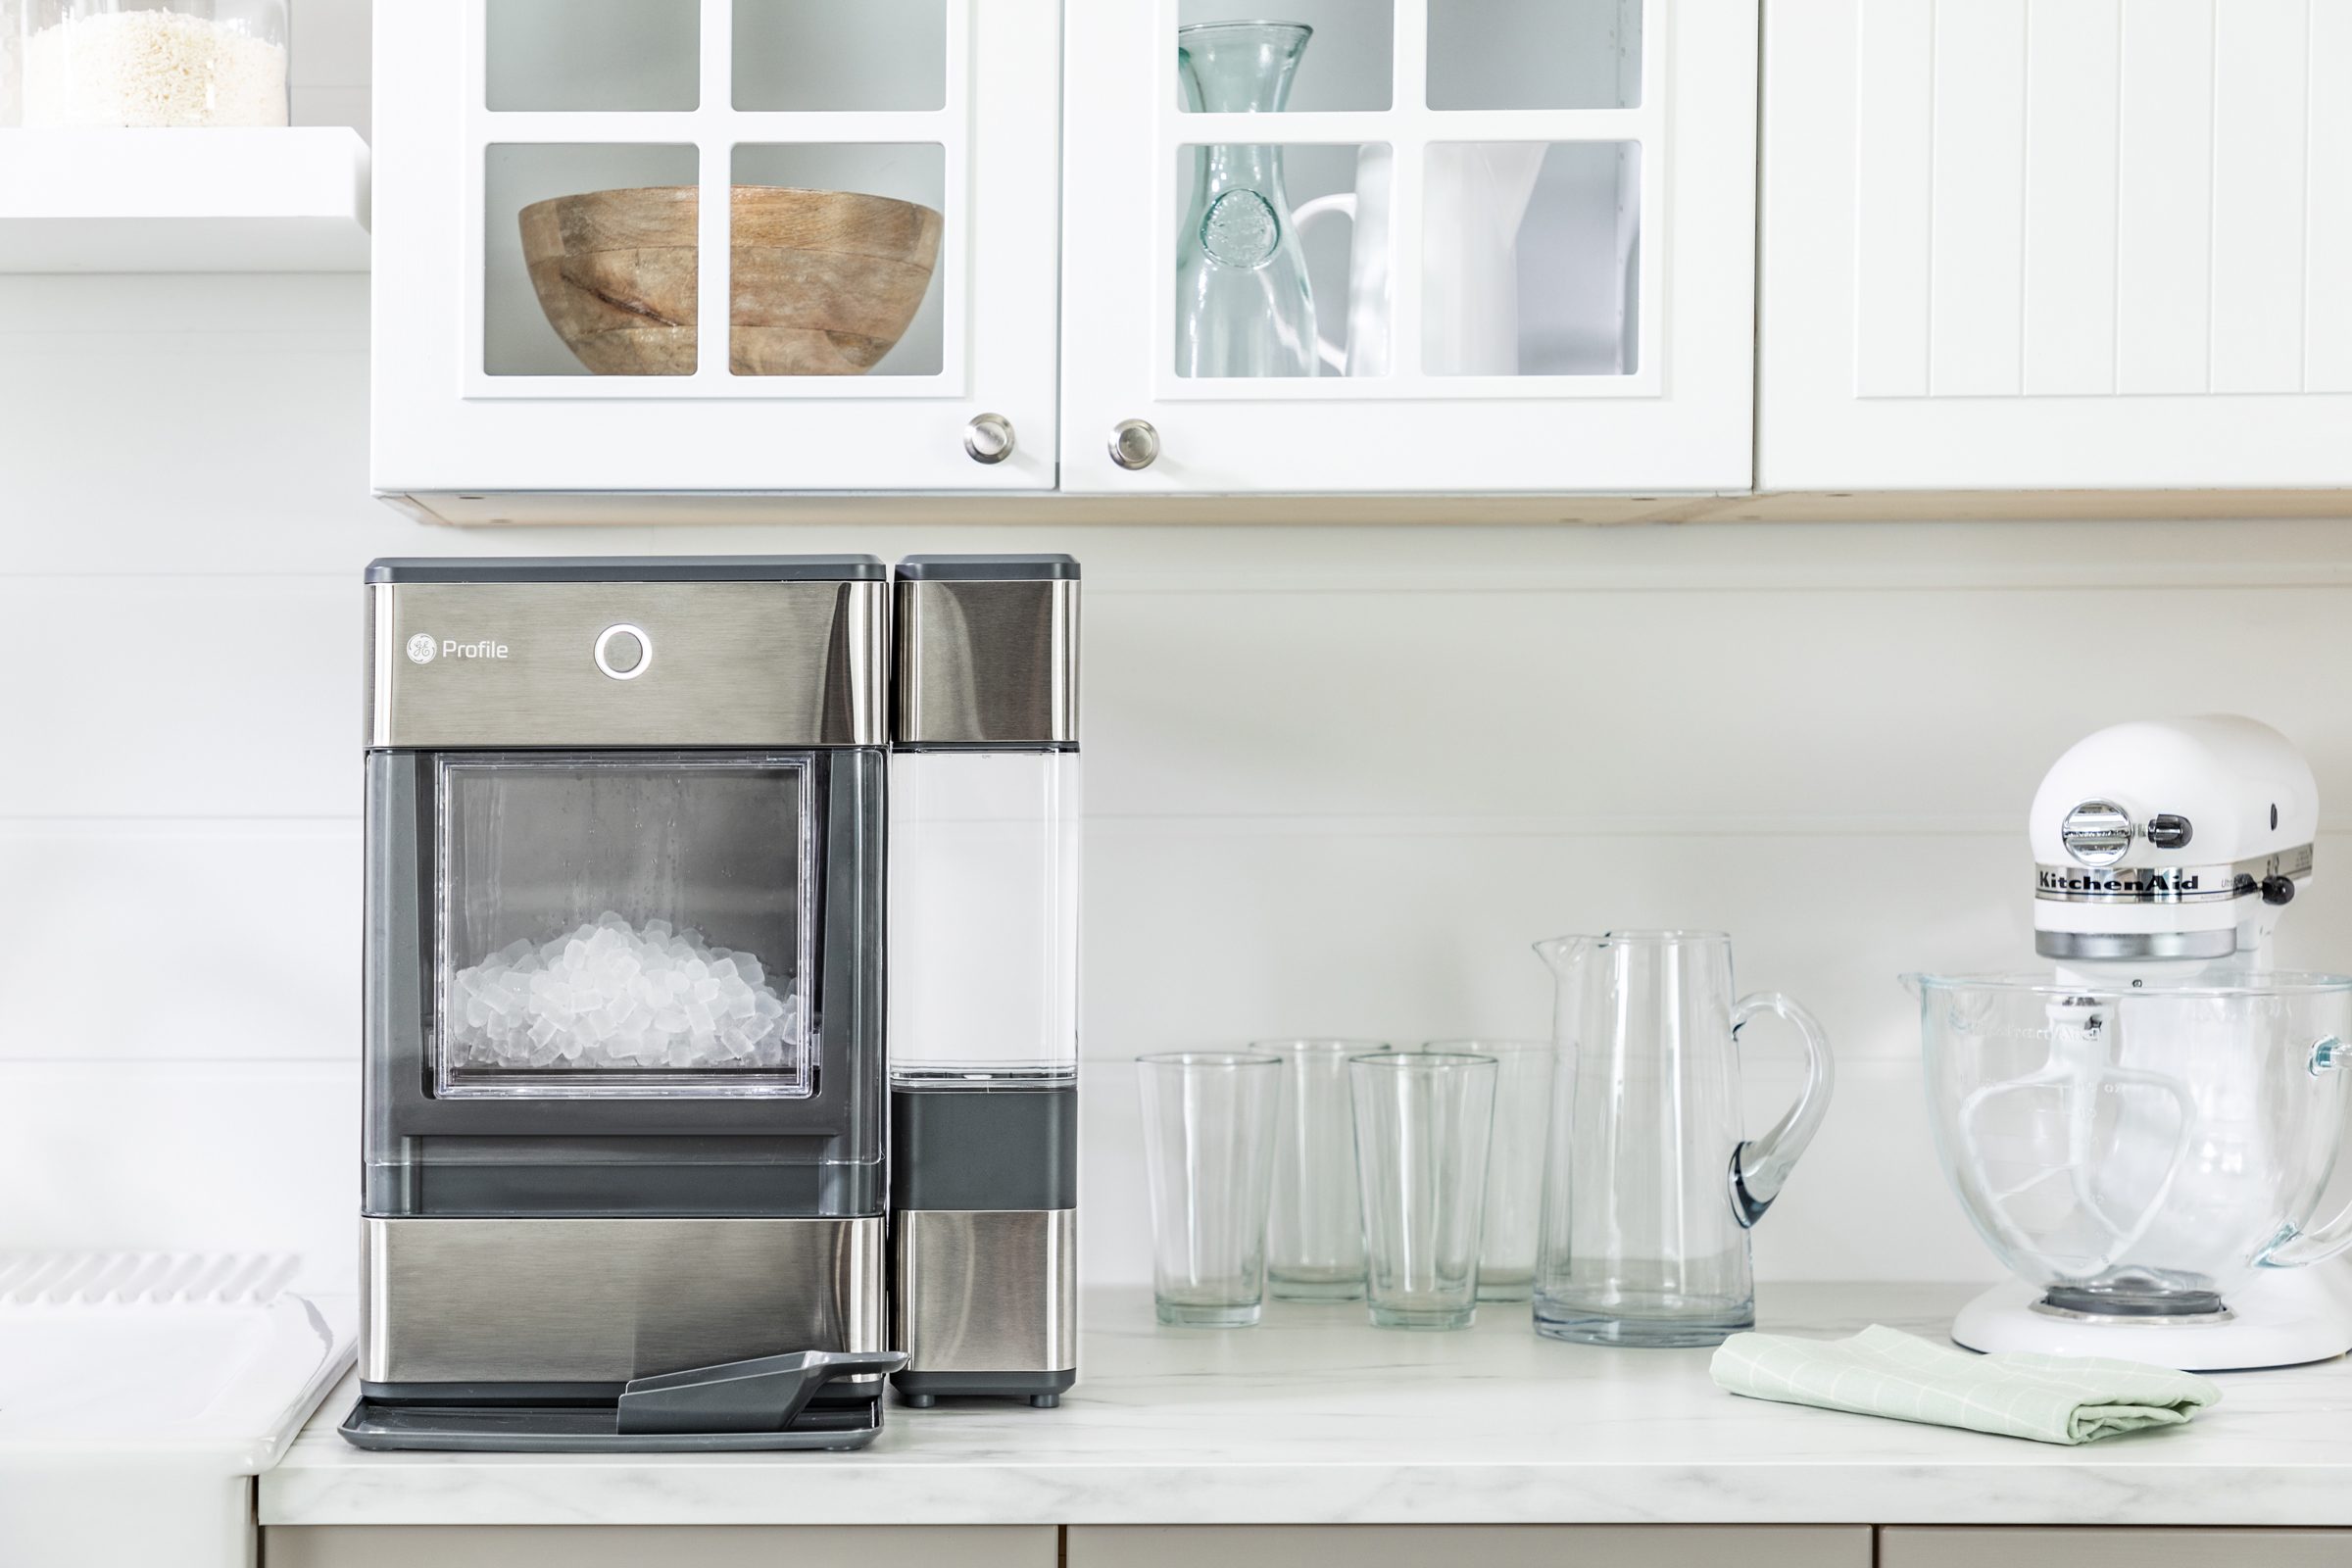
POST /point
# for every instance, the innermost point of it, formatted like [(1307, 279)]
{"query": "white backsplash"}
[(1338, 778)]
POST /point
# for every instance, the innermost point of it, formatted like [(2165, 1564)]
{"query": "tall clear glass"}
[(1208, 1155), (1507, 1247), (1650, 1187), (1315, 1237), (1243, 304), (1422, 1119)]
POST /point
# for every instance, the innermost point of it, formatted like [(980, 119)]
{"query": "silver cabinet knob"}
[(988, 438), (1134, 444)]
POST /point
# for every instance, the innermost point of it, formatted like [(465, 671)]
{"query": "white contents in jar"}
[(608, 994), (151, 68), (12, 46)]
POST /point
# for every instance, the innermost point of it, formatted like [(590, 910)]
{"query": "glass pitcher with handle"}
[(1650, 1187)]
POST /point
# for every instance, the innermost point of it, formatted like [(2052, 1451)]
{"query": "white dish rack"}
[(170, 1377), (156, 1278)]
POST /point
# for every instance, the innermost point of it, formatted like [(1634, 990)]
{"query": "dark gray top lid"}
[(631, 569), (989, 568)]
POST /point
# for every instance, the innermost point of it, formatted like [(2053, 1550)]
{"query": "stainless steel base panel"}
[(599, 1302), (986, 1301)]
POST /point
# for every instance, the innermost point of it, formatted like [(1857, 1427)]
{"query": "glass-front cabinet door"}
[(565, 188), (1474, 246)]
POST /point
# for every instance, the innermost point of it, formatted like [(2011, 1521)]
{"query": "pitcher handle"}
[(2296, 1248), (1334, 354), (1761, 1165)]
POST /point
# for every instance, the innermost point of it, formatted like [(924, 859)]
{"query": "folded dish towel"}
[(1880, 1371)]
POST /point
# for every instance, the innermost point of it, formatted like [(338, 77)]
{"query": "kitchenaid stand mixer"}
[(2146, 1132)]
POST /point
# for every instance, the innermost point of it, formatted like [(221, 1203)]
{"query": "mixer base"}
[(2283, 1319)]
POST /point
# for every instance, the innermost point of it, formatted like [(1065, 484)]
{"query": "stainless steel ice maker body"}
[(625, 1106), (661, 852)]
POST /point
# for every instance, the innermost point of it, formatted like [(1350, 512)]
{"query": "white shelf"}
[(283, 200)]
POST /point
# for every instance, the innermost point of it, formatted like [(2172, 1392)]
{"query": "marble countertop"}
[(1315, 1417)]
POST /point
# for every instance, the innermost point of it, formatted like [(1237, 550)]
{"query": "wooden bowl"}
[(824, 282)]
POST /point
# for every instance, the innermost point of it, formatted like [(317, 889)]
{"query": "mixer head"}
[(2170, 839)]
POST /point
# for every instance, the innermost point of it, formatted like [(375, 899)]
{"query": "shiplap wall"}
[(1338, 778)]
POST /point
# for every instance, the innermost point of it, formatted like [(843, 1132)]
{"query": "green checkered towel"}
[(1880, 1371)]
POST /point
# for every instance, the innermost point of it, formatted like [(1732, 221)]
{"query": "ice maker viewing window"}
[(626, 927)]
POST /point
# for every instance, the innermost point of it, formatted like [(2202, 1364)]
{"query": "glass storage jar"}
[(12, 50), (97, 62)]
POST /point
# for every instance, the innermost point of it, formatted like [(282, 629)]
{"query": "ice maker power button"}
[(624, 651)]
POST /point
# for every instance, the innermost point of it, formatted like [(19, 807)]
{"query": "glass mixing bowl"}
[(2140, 1150)]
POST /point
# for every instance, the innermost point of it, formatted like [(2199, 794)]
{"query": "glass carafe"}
[(1243, 305), (1649, 1186)]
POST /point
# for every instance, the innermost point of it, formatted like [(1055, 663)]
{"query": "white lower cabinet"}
[(1925, 1546), (672, 1545), (1486, 1545)]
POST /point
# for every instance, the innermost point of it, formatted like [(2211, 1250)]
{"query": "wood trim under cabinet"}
[(633, 508)]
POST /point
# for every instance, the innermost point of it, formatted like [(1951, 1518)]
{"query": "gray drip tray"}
[(573, 1429), (760, 1405)]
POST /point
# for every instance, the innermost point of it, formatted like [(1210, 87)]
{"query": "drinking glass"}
[(1315, 1236), (1507, 1247), (1208, 1151), (1421, 1129)]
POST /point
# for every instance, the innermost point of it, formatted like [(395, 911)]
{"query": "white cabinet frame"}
[(1679, 421), (442, 426)]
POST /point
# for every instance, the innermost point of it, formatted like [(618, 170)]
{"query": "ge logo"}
[(422, 649)]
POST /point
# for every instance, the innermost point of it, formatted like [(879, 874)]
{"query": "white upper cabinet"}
[(1407, 246), (2016, 244), (872, 186)]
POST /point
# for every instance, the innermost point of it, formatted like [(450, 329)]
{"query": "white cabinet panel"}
[(2021, 244), (2073, 86), (2165, 197), (1976, 217), (1895, 85), (1931, 1548), (485, 107), (2261, 86), (681, 1546), (2327, 251), (1633, 266)]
